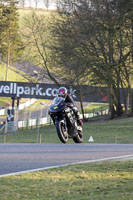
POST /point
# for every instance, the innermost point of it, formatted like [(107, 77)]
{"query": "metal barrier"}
[(37, 116)]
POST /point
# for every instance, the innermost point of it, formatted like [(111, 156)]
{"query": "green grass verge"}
[(110, 131), (95, 107), (95, 181)]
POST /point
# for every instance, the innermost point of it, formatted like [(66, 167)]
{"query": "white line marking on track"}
[(57, 166)]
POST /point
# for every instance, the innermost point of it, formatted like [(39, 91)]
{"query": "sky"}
[(40, 4)]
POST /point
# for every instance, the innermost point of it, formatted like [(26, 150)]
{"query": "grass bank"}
[(118, 131), (97, 181), (95, 107), (12, 75)]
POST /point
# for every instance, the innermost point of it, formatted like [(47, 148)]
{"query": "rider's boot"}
[(79, 121)]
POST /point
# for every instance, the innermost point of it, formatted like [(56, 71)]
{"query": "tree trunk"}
[(81, 101), (119, 107), (132, 62), (111, 106), (131, 103)]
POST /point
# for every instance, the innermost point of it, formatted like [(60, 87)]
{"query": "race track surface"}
[(22, 157)]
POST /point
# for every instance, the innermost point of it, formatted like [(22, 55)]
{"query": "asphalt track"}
[(20, 158)]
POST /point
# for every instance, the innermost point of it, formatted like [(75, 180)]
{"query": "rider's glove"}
[(70, 105)]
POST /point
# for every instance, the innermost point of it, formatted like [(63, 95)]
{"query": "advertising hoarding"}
[(49, 91)]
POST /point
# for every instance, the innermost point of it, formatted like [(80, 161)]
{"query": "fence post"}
[(40, 138), (37, 130), (16, 120), (6, 127), (4, 138), (116, 139)]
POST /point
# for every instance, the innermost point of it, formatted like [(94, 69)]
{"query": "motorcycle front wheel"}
[(61, 132)]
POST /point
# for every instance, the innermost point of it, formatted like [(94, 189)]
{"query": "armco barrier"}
[(21, 106), (33, 122), (2, 111), (36, 122), (13, 126)]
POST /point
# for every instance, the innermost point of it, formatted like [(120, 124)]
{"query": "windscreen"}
[(58, 100)]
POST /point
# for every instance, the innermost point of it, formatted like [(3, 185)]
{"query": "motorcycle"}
[(65, 121)]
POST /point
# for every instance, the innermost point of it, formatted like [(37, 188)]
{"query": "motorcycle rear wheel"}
[(61, 132), (78, 138)]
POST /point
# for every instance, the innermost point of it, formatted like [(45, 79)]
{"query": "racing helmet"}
[(62, 92)]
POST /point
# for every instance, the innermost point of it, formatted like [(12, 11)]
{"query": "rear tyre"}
[(78, 138), (61, 132)]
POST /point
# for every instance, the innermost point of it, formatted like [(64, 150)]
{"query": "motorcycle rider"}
[(62, 92)]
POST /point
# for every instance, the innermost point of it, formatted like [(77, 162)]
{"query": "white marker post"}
[(91, 139)]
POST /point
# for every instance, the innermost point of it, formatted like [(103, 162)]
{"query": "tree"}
[(11, 45), (22, 3), (36, 39), (99, 38), (58, 3), (36, 3), (67, 53), (113, 47), (47, 3), (125, 11)]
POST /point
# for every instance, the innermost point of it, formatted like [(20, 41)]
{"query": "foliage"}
[(94, 37), (86, 42), (36, 36), (11, 46), (67, 52)]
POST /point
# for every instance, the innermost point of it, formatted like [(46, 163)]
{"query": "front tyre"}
[(79, 137), (61, 132)]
